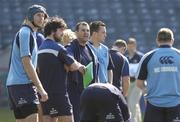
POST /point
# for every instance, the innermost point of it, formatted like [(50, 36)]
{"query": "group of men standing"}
[(56, 73)]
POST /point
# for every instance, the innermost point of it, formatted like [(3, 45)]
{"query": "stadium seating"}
[(137, 18)]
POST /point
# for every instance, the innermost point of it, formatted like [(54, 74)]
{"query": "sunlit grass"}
[(6, 115)]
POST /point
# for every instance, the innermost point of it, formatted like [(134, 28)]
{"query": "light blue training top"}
[(161, 70), (23, 45), (102, 53)]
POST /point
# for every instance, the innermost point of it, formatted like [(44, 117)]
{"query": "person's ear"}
[(157, 42), (172, 41)]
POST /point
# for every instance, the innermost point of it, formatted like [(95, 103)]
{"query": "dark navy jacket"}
[(75, 77)]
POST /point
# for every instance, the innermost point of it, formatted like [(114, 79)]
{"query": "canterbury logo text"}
[(166, 60)]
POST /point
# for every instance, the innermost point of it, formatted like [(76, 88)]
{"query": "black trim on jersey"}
[(177, 52), (31, 43), (143, 71), (164, 46), (110, 64), (28, 27), (96, 61)]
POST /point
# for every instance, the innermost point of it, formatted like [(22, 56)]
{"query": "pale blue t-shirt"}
[(26, 46), (102, 53), (161, 70)]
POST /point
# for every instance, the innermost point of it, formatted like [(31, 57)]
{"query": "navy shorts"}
[(162, 114), (23, 99), (99, 104), (58, 104)]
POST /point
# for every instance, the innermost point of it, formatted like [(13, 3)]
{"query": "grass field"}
[(6, 115)]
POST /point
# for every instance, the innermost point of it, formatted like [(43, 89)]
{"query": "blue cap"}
[(32, 10)]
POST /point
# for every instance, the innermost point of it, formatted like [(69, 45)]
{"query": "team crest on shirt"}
[(36, 101), (166, 60), (135, 61), (53, 111), (177, 119), (110, 116), (22, 101)]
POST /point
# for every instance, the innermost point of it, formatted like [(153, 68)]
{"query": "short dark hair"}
[(94, 26), (53, 24), (120, 43), (80, 23), (165, 35), (131, 40)]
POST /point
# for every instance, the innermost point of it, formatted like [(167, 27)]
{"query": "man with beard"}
[(53, 63), (22, 80)]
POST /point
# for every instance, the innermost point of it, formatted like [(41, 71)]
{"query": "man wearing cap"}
[(22, 81)]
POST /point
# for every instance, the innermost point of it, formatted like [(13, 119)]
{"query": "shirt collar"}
[(164, 46)]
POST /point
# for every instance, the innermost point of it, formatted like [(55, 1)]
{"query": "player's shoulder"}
[(175, 49), (140, 54), (125, 58), (149, 54), (25, 29), (104, 46)]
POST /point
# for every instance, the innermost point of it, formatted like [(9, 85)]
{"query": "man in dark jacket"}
[(79, 49)]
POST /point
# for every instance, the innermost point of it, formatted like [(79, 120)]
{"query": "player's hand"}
[(67, 68), (44, 96), (82, 69)]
